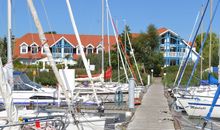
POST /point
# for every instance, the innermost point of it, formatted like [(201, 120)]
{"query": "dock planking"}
[(154, 113)]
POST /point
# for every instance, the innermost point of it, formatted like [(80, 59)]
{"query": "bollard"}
[(131, 93), (148, 79)]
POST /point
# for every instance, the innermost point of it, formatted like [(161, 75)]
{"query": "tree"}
[(123, 36), (145, 47), (3, 50), (198, 40), (152, 37)]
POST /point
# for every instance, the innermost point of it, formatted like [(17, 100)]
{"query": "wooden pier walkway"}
[(154, 113)]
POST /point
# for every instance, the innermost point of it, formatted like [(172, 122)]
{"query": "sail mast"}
[(135, 62), (109, 45), (47, 50), (117, 41), (9, 48), (81, 49), (210, 42), (103, 47)]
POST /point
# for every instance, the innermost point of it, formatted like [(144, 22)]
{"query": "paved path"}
[(154, 112)]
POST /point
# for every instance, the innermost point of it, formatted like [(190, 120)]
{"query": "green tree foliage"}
[(145, 49), (198, 40), (123, 37), (3, 50)]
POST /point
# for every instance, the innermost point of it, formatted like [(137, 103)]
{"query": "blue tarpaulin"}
[(215, 69), (212, 80)]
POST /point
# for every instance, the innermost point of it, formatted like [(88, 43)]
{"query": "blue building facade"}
[(174, 48)]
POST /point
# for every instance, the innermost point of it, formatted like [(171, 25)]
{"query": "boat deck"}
[(154, 113)]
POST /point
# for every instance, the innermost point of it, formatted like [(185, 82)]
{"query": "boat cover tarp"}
[(212, 80), (204, 82), (215, 69)]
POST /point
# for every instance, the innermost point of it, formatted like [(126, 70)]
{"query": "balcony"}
[(173, 54)]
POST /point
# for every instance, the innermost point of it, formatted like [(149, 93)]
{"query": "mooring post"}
[(131, 93), (148, 79)]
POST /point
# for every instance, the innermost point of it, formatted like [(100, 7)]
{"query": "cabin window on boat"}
[(42, 97), (23, 49), (34, 49)]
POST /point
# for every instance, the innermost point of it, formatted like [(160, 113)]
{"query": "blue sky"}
[(178, 15)]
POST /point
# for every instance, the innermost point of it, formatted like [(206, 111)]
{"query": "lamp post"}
[(165, 79), (152, 74)]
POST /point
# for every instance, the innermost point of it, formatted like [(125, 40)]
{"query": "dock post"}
[(148, 79), (131, 93)]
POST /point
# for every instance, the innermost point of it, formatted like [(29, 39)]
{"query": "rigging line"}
[(116, 38), (183, 57), (47, 19), (201, 49), (126, 62), (193, 41), (135, 62)]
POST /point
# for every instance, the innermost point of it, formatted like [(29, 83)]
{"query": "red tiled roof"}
[(161, 30), (30, 38), (190, 43)]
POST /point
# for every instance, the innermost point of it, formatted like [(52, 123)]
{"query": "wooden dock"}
[(154, 113)]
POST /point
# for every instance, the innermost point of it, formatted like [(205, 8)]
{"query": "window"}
[(23, 49), (89, 50), (162, 49), (172, 62), (68, 50), (34, 49), (99, 50), (78, 50), (42, 50), (162, 41), (173, 49)]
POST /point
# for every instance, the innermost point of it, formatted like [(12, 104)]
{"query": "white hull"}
[(200, 107)]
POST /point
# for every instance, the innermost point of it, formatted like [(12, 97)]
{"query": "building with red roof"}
[(28, 49)]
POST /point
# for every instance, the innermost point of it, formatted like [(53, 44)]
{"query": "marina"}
[(62, 78)]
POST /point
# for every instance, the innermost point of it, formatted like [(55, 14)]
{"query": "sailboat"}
[(201, 103)]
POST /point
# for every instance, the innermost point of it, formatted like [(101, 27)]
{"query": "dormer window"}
[(24, 48), (34, 48), (78, 50), (89, 49), (99, 49)]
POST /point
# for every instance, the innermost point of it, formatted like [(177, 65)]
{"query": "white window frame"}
[(34, 46), (99, 47), (89, 47), (78, 50), (25, 47)]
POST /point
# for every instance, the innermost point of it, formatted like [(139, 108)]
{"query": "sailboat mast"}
[(47, 50), (109, 45), (9, 47), (135, 62), (210, 42), (103, 47), (117, 41), (81, 50)]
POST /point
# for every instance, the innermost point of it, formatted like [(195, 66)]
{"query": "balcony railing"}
[(173, 54)]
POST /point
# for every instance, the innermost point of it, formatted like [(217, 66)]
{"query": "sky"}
[(177, 15)]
